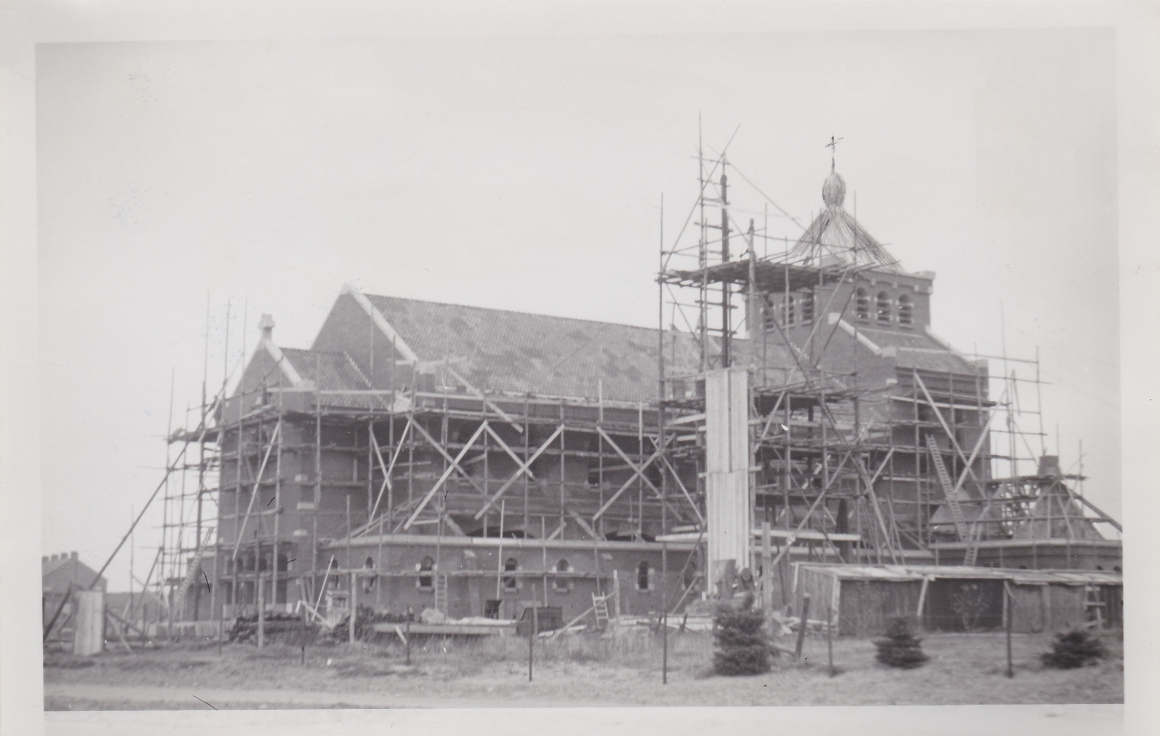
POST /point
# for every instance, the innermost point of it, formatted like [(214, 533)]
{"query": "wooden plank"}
[(451, 629)]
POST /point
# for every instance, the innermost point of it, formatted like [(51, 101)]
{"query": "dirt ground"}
[(622, 669)]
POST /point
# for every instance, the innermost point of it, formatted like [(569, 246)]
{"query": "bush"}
[(900, 648), (1072, 649), (742, 648)]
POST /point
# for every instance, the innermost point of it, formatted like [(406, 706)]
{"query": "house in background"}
[(59, 574)]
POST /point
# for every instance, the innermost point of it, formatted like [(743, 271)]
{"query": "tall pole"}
[(261, 594), (664, 607), (661, 444), (1007, 611), (726, 327), (532, 633), (353, 601)]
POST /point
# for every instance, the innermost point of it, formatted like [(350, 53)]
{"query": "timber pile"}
[(365, 619), (278, 627)]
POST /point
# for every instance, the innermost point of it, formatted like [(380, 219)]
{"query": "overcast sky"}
[(525, 173)]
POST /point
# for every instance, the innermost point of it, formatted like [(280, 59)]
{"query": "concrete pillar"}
[(89, 622)]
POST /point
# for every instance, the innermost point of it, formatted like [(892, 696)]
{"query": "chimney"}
[(74, 555), (266, 325)]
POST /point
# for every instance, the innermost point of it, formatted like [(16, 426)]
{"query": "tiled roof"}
[(918, 350), (514, 351), (329, 371)]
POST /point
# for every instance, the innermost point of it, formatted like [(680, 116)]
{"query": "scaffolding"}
[(880, 468), (287, 477)]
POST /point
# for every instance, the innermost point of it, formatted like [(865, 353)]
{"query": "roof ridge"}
[(335, 353), (517, 311)]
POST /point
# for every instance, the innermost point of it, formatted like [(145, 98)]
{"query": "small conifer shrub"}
[(742, 648), (899, 648), (1072, 649)]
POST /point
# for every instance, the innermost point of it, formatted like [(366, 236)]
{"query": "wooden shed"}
[(1060, 599), (859, 600)]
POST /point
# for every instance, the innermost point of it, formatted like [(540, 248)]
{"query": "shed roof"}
[(899, 573)]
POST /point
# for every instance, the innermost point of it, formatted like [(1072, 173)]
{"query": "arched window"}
[(689, 577), (905, 310), (369, 580), (790, 309), (883, 307), (510, 582), (426, 574), (772, 311), (644, 576), (562, 584), (807, 308), (862, 304)]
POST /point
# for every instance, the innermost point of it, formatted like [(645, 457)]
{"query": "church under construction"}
[(788, 408)]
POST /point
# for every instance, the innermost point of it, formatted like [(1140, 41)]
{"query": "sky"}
[(526, 173)]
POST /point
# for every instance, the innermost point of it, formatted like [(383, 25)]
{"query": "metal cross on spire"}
[(833, 146)]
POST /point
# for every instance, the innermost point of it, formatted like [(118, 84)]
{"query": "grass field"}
[(615, 669)]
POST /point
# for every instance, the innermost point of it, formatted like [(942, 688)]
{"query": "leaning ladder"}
[(944, 480), (600, 609), (441, 593)]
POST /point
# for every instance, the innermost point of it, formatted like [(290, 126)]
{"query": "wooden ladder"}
[(972, 554), (440, 593), (600, 609), (944, 480)]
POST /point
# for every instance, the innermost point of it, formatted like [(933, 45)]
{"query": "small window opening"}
[(563, 584), (771, 312), (594, 475), (644, 576), (862, 304), (369, 580), (426, 574), (791, 308), (883, 307), (905, 310), (510, 582)]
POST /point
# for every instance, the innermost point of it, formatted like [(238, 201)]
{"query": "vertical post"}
[(1007, 611), (220, 608), (830, 634), (616, 592), (261, 598), (532, 633), (801, 637), (353, 602), (664, 613), (408, 636), (317, 491), (277, 504), (302, 641), (766, 569)]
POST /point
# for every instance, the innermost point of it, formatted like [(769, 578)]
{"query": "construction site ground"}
[(622, 669)]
